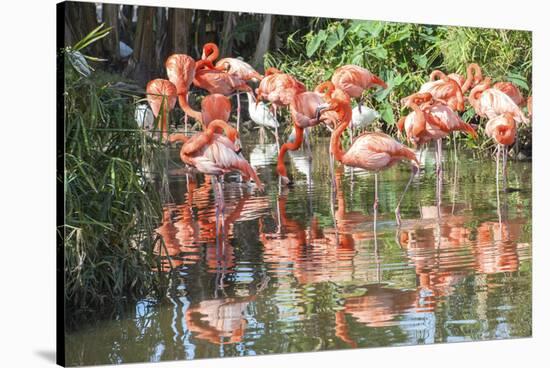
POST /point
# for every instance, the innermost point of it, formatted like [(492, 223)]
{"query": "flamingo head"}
[(209, 49)]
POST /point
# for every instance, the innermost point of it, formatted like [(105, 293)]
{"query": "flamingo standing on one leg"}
[(162, 96), (370, 151), (502, 129), (214, 154)]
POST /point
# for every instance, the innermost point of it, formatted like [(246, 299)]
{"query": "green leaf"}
[(373, 27), (400, 35), (315, 42), (386, 113), (380, 52), (518, 80), (421, 60), (334, 38)]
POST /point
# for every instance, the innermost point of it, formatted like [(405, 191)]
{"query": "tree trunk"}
[(160, 40), (111, 42), (179, 31), (226, 43), (141, 64), (262, 46), (126, 25), (200, 35)]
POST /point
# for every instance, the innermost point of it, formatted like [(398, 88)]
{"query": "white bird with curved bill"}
[(262, 116), (361, 118)]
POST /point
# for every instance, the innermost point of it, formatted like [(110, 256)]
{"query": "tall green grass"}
[(111, 205)]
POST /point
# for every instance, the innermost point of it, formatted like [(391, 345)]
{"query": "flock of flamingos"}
[(433, 115)]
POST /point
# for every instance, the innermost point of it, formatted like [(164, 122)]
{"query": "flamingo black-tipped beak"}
[(319, 109)]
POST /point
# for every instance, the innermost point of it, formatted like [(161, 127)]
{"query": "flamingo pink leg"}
[(238, 111), (414, 170)]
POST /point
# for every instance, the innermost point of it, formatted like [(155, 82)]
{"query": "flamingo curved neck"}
[(476, 92), (419, 119), (184, 104), (219, 125), (210, 52), (437, 74), (472, 68), (293, 146), (335, 144)]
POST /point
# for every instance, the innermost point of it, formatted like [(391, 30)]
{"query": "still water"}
[(306, 269)]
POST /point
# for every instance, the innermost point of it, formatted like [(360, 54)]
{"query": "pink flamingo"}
[(447, 90), (180, 69), (236, 67), (214, 154), (441, 122), (512, 91), (370, 151), (473, 77), (354, 80), (216, 81), (162, 97), (304, 109), (278, 88), (232, 66), (491, 102), (502, 129)]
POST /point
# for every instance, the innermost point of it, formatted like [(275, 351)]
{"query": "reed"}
[(112, 205)]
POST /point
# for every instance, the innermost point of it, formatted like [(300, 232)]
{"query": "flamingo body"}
[(354, 79), (279, 88), (512, 91)]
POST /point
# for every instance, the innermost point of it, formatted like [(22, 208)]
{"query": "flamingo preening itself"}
[(491, 102), (278, 88), (512, 91), (370, 151), (162, 97), (473, 77), (447, 90), (214, 154), (304, 109)]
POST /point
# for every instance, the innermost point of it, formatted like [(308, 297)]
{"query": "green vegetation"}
[(111, 210), (404, 55)]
